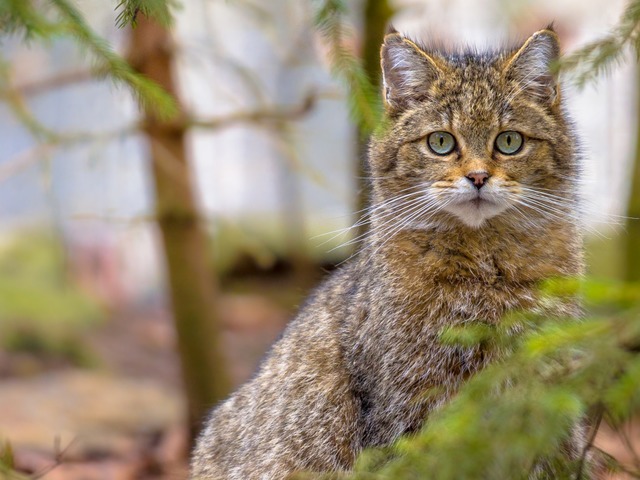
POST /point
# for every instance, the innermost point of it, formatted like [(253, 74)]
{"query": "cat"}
[(473, 178)]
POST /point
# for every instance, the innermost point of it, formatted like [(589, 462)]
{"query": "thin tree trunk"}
[(377, 14), (632, 247), (190, 278)]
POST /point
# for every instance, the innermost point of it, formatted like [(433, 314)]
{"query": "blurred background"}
[(116, 229)]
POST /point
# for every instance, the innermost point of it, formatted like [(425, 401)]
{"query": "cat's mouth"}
[(479, 202), (475, 211)]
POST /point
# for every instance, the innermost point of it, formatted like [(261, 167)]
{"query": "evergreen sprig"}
[(27, 18), (160, 10), (600, 56), (515, 418), (363, 96), (111, 65), (40, 20)]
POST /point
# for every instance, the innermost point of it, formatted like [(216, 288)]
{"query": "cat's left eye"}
[(509, 142)]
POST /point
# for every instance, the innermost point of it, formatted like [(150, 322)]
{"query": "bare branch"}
[(58, 458), (24, 159), (618, 466), (278, 114), (44, 85), (55, 140), (589, 445)]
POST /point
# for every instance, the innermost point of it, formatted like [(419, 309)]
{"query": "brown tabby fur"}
[(351, 370)]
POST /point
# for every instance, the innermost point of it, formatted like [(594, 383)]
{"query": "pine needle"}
[(110, 65)]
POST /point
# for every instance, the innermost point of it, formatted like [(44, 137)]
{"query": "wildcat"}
[(472, 180)]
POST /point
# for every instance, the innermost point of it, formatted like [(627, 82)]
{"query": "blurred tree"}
[(149, 76), (363, 98), (190, 279), (377, 14)]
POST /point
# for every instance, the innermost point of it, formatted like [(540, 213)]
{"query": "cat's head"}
[(472, 136)]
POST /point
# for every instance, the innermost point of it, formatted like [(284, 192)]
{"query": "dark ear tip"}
[(392, 36), (548, 32), (549, 37), (551, 27)]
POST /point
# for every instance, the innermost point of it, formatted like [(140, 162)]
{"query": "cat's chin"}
[(474, 213)]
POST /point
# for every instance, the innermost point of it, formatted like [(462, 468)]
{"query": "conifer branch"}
[(45, 85), (28, 18), (111, 65), (599, 57), (158, 10), (32, 19), (363, 96)]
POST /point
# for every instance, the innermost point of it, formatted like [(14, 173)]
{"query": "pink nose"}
[(478, 178)]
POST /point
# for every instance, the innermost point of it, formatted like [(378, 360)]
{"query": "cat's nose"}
[(478, 179)]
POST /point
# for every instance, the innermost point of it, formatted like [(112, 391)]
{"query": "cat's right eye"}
[(509, 142), (441, 143)]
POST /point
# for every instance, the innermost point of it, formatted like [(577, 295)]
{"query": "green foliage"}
[(111, 65), (41, 310), (27, 18), (364, 98), (513, 419), (6, 456), (7, 463)]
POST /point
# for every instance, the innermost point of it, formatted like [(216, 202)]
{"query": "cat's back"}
[(297, 412)]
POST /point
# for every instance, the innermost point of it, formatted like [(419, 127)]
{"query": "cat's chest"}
[(416, 261), (419, 300)]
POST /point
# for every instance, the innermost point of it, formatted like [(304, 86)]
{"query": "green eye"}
[(509, 142), (441, 143)]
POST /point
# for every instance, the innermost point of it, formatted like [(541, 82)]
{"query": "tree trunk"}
[(188, 266), (377, 14), (632, 247)]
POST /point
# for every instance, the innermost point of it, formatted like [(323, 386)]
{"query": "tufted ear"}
[(407, 72), (531, 66)]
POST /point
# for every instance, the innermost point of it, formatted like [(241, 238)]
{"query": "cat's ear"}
[(532, 66), (407, 72)]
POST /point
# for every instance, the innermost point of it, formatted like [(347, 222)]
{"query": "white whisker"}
[(428, 210), (390, 220), (584, 206), (366, 217), (387, 217)]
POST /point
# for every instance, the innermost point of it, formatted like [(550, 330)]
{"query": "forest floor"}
[(121, 417)]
